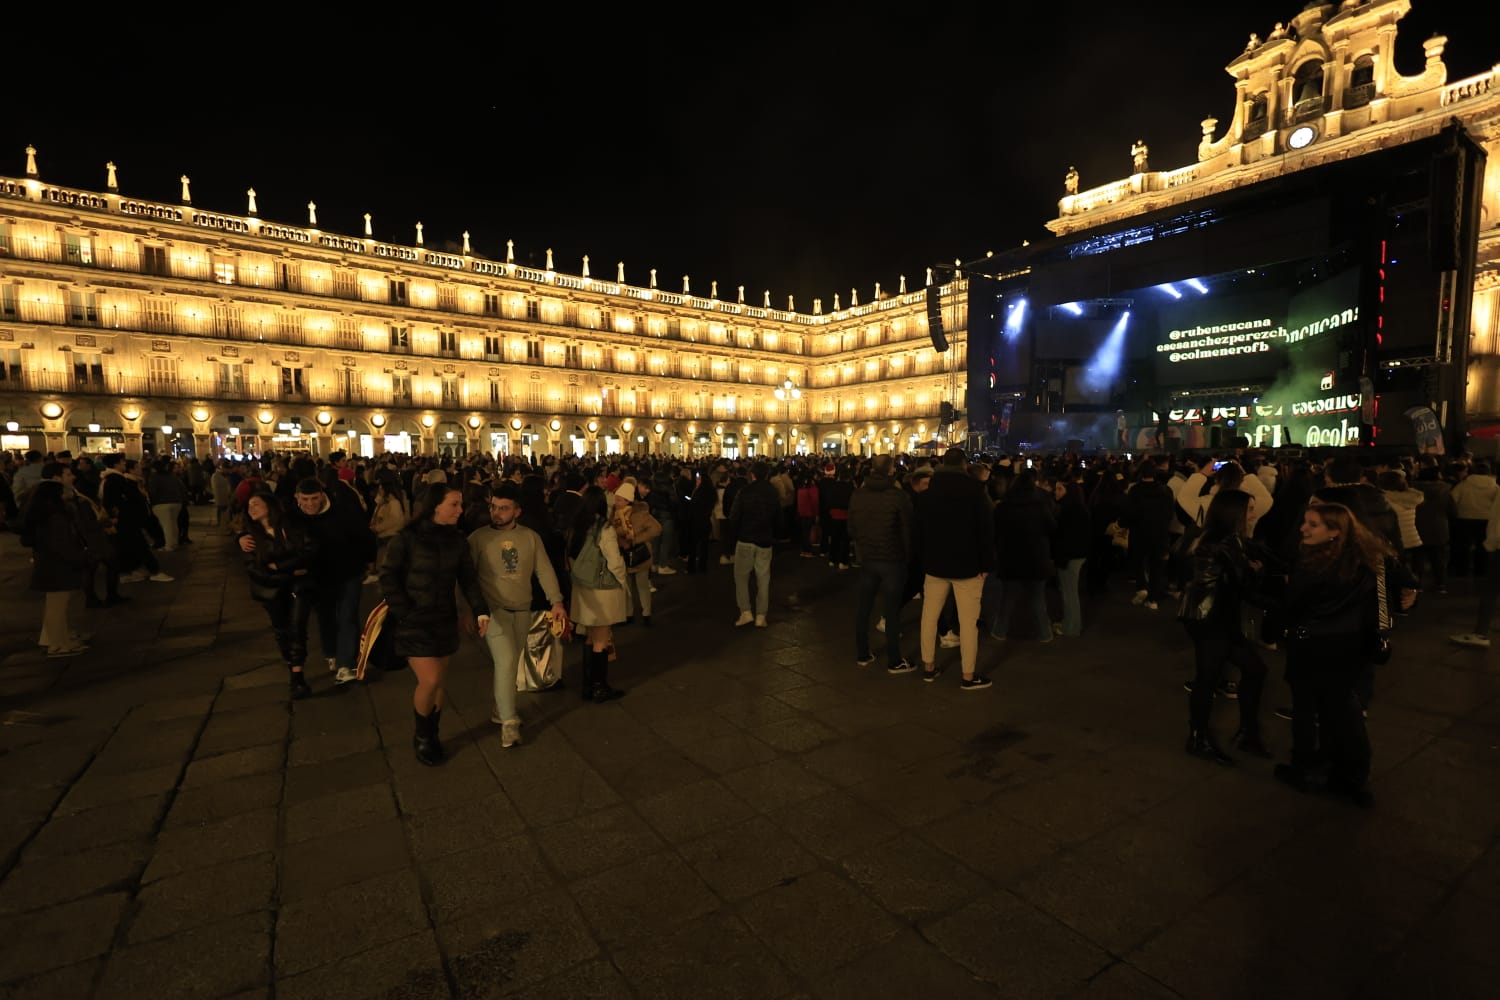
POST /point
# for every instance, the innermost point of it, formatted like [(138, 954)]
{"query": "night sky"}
[(793, 150)]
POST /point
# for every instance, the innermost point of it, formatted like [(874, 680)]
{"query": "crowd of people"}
[(1254, 552)]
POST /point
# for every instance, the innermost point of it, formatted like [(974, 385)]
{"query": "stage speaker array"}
[(935, 319)]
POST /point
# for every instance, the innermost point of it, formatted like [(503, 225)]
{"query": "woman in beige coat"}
[(598, 602), (634, 526)]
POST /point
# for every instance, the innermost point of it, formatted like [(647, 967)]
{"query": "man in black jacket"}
[(955, 532), (880, 524), (752, 518), (1148, 511), (344, 551)]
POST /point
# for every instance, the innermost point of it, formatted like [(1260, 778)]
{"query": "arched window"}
[(1255, 122), (1307, 90), (1361, 83)]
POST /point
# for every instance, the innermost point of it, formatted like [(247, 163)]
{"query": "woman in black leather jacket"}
[(423, 565), (279, 581), (1224, 574), (1333, 628)]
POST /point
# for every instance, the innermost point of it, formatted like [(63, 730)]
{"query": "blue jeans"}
[(1006, 593), (747, 557), (1072, 601), (886, 578), (338, 619)]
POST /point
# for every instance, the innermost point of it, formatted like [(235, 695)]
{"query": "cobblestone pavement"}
[(759, 817)]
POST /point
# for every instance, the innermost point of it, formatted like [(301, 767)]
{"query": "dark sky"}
[(794, 150)]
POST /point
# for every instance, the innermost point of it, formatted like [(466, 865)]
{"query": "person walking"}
[(121, 497), (634, 525), (880, 526), (1070, 549), (598, 573), (697, 524), (280, 581), (752, 521), (425, 563), (1435, 516), (1147, 512), (388, 517), (1333, 615), (1021, 557), (510, 559), (223, 496), (59, 558), (168, 496), (1473, 496), (1222, 579), (955, 532)]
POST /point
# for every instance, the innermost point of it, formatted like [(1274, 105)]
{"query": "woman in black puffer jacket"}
[(1224, 575), (423, 565)]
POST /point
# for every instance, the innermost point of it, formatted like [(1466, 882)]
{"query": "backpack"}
[(588, 568)]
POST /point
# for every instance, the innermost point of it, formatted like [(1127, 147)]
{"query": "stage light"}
[(1197, 286), (1171, 290), (1074, 308), (1014, 319), (1104, 367)]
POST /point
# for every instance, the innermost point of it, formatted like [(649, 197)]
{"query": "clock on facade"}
[(1301, 136)]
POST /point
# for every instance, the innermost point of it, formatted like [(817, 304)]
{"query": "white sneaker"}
[(1150, 605), (880, 625), (760, 621), (745, 618), (653, 587), (1472, 639), (510, 732), (948, 640), (666, 571), (136, 576), (1139, 598), (726, 560), (159, 577), (345, 675)]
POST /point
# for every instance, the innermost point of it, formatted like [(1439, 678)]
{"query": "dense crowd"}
[(1313, 556)]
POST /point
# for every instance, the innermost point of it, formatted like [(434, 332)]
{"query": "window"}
[(534, 352), (231, 377), (570, 314), (533, 309), (492, 347), (1256, 124), (7, 300), (88, 370), (606, 320), (224, 270), (575, 398), (78, 249), (398, 291), (491, 304), (400, 338), (157, 314), (450, 389), (572, 356), (10, 364), (4, 239), (291, 381), (447, 298), (346, 284), (495, 395), (401, 388), (83, 307), (534, 395), (161, 372), (448, 340), (346, 334)]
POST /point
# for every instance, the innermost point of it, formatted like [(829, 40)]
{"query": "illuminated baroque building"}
[(1317, 101), (148, 327)]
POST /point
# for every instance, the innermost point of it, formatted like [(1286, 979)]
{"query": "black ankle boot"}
[(1201, 743), (586, 686), (299, 685), (425, 739), (1250, 743), (602, 692)]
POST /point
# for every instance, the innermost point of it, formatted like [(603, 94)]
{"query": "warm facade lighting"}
[(52, 410), (377, 420)]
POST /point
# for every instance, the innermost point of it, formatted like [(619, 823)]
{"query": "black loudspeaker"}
[(935, 319), (1444, 210)]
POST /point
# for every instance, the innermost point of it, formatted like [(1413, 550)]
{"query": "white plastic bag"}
[(541, 657)]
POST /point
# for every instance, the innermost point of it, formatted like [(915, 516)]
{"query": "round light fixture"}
[(474, 422), (427, 420), (658, 427), (593, 426), (515, 423), (324, 417), (131, 413), (1301, 137), (51, 410), (719, 429), (377, 420), (200, 414), (555, 424), (265, 416)]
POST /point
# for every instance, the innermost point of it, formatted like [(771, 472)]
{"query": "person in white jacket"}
[(1229, 476)]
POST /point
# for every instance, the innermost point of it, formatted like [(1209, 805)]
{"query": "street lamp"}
[(786, 390)]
